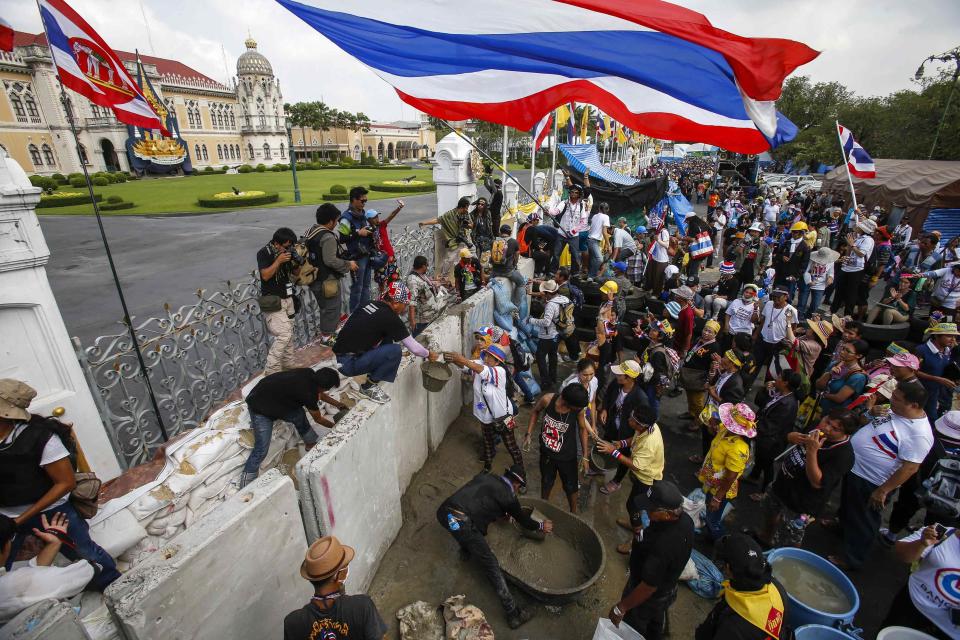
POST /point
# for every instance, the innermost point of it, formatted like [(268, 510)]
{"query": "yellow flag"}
[(563, 115), (621, 136), (584, 123), (606, 126)]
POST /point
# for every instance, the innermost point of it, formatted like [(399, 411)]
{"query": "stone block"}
[(46, 620), (349, 487), (444, 406), (407, 416), (233, 574)]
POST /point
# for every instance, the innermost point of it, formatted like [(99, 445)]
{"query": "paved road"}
[(165, 259)]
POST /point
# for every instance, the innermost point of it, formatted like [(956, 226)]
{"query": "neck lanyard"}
[(330, 597), (774, 316)]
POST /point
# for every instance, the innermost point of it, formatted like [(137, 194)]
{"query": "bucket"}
[(602, 460), (435, 375), (820, 632), (799, 614), (902, 633)]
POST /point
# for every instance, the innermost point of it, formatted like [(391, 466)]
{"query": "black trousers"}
[(472, 541), (547, 363), (766, 452), (846, 292), (903, 613), (573, 346), (650, 618)]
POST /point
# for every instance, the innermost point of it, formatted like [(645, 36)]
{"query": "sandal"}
[(610, 487)]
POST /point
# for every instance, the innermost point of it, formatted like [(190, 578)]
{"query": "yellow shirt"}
[(810, 237), (728, 452), (646, 454)]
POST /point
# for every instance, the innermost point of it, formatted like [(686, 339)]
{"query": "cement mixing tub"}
[(557, 570)]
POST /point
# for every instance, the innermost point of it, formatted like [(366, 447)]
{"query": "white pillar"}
[(539, 183), (452, 172), (34, 344)]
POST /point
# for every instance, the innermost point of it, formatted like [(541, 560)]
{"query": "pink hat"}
[(904, 360), (739, 418)]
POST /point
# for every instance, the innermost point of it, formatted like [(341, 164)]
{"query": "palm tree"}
[(323, 121), (301, 115)]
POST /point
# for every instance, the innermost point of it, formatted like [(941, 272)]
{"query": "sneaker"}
[(519, 617), (887, 538), (373, 391)]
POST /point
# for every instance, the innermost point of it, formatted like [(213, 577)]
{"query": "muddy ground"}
[(423, 563)]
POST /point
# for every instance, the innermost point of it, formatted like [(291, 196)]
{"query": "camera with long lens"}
[(296, 258)]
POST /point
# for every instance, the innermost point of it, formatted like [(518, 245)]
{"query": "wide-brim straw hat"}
[(943, 329), (821, 328), (824, 255), (739, 419)]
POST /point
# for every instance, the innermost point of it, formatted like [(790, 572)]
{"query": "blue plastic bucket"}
[(799, 614), (820, 632)]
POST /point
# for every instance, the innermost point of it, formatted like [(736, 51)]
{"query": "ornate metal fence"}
[(196, 356)]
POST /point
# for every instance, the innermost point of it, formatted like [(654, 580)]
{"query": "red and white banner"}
[(541, 130)]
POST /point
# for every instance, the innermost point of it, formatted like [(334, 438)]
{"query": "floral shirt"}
[(728, 452), (423, 296)]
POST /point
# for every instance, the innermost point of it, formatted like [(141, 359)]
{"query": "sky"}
[(872, 46)]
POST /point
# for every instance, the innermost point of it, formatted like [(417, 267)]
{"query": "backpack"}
[(576, 295), (940, 492), (565, 321), (498, 251), (673, 362), (308, 270)]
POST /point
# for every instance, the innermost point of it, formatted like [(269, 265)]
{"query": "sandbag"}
[(227, 466), (172, 519), (420, 621), (708, 582), (152, 501), (501, 298), (118, 533), (136, 553), (606, 631), (209, 449), (504, 321), (531, 383)]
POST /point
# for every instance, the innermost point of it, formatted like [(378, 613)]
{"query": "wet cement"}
[(552, 563)]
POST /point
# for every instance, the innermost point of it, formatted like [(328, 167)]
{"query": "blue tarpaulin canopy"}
[(946, 221), (584, 156)]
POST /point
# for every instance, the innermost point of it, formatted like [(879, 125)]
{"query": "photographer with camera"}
[(455, 225), (357, 236), (278, 263)]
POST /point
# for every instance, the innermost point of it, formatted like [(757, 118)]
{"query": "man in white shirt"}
[(547, 332), (37, 580), (817, 276), (888, 451), (624, 245), (771, 211), (929, 598), (772, 331), (599, 231), (574, 216), (850, 290)]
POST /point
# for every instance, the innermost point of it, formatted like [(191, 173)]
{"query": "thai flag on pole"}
[(657, 67), (542, 129), (859, 162), (6, 35), (88, 66)]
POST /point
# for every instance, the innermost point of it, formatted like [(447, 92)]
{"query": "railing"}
[(196, 356), (102, 122)]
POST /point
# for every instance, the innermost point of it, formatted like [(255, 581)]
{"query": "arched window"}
[(83, 154), (32, 107), (369, 151), (238, 152), (196, 152), (266, 151), (196, 117), (250, 149), (18, 108), (233, 152), (263, 118), (219, 152), (35, 156), (189, 117), (48, 155), (220, 122), (233, 121), (68, 108), (204, 149), (283, 153), (390, 150)]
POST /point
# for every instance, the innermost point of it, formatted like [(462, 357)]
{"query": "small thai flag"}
[(859, 162), (542, 129)]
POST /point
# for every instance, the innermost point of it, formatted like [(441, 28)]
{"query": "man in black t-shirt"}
[(331, 614), (283, 396), (662, 543), (367, 342), (277, 267), (467, 514)]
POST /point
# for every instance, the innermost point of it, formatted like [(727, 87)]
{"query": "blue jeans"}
[(522, 385), (816, 298), (714, 520), (263, 432), (380, 363), (574, 245), (84, 547), (596, 257), (360, 284)]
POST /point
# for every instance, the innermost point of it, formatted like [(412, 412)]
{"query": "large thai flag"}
[(541, 130), (859, 162), (6, 35), (88, 66), (657, 67)]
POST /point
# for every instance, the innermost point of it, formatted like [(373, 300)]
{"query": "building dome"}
[(252, 61)]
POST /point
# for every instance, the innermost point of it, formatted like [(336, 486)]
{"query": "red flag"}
[(6, 35), (91, 68)]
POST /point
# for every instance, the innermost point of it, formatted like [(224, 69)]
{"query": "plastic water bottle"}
[(800, 523), (452, 523)]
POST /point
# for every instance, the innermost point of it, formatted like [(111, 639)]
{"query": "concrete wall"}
[(46, 620), (233, 574)]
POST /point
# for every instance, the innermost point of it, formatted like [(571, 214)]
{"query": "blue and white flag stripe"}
[(859, 162), (511, 63)]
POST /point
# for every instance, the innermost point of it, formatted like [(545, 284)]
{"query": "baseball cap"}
[(372, 213), (640, 229), (628, 368), (619, 266), (743, 555), (904, 360), (666, 495), (505, 228), (609, 287)]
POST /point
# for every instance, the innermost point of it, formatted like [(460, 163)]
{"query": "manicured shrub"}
[(60, 178), (100, 181), (261, 168), (77, 180), (65, 199), (116, 206), (114, 199), (244, 168), (338, 188), (403, 188), (238, 201)]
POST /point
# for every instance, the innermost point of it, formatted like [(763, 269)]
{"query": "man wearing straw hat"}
[(934, 355), (849, 292), (817, 277), (331, 612)]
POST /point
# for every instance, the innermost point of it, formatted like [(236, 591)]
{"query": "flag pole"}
[(846, 164), (503, 165), (553, 165), (113, 268), (533, 156)]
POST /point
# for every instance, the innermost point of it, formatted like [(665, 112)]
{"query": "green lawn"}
[(177, 195)]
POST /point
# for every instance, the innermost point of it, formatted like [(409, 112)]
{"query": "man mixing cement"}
[(467, 514)]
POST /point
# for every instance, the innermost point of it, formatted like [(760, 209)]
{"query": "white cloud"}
[(872, 46)]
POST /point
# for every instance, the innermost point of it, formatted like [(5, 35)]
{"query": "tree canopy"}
[(899, 125)]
